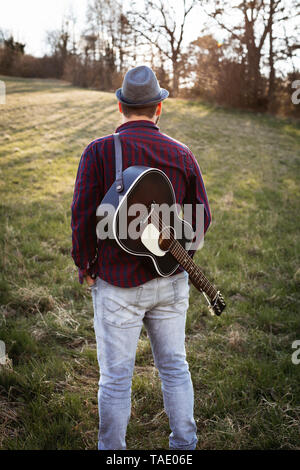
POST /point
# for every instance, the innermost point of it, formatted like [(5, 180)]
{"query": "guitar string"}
[(179, 250), (183, 259)]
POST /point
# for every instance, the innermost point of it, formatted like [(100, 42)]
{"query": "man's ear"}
[(158, 109), (120, 108)]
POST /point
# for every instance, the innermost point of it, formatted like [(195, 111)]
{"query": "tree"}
[(10, 54), (159, 24), (271, 90), (60, 46), (212, 72), (204, 59), (115, 40), (256, 20)]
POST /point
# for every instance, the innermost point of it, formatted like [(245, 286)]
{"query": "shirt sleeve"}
[(86, 198), (196, 194)]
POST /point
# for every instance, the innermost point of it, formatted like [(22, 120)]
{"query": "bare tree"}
[(287, 37), (109, 23), (271, 90), (11, 52), (159, 24), (256, 21)]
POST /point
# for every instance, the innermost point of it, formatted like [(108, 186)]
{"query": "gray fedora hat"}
[(141, 88)]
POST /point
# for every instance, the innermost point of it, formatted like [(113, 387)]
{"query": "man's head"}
[(131, 113), (140, 96)]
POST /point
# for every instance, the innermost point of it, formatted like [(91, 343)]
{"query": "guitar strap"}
[(119, 163)]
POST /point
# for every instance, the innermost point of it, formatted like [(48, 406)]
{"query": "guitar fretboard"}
[(196, 276)]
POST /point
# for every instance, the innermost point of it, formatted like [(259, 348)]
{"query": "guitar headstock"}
[(217, 305)]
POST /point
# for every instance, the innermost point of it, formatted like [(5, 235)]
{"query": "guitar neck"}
[(195, 274)]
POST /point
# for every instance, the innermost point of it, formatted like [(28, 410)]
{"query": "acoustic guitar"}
[(152, 238)]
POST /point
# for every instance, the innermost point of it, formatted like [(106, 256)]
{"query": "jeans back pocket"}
[(121, 307)]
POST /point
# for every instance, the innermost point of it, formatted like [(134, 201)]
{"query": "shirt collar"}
[(139, 123)]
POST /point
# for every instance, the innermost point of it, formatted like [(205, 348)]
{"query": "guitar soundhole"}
[(166, 238)]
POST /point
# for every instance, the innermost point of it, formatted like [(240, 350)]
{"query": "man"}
[(126, 293)]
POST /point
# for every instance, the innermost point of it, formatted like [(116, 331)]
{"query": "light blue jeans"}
[(119, 313)]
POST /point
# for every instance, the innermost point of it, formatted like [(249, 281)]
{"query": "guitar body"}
[(145, 186)]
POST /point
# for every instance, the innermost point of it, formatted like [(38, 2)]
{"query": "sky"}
[(29, 21)]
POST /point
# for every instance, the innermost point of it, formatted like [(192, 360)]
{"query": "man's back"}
[(142, 144)]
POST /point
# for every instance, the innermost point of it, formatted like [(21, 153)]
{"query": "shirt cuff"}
[(89, 270), (81, 274)]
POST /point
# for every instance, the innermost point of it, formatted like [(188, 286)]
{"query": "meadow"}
[(247, 389)]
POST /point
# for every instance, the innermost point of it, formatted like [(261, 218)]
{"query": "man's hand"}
[(90, 281)]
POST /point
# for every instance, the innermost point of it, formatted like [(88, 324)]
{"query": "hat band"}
[(157, 97)]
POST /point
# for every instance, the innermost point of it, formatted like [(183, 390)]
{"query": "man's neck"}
[(136, 118)]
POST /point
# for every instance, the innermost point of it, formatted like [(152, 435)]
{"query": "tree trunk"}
[(271, 90), (175, 79), (254, 75)]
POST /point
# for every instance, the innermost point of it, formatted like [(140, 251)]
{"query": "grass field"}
[(247, 390)]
